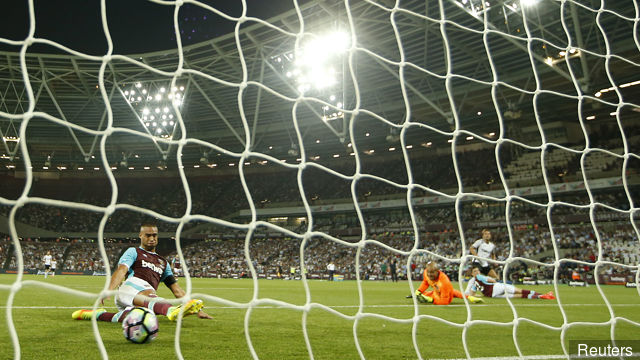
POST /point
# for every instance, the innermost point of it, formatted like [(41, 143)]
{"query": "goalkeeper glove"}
[(423, 298)]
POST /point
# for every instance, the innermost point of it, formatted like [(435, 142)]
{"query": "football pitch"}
[(380, 316)]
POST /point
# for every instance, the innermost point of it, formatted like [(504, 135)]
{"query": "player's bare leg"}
[(492, 273)]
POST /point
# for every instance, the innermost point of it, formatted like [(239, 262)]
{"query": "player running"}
[(144, 270), (489, 287), (484, 248), (443, 292)]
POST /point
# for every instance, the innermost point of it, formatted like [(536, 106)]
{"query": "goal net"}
[(375, 136)]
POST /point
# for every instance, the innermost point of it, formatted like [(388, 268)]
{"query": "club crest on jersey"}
[(152, 266)]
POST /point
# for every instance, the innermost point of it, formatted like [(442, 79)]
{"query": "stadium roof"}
[(413, 61)]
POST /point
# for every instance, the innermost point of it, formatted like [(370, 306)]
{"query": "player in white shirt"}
[(47, 263), (489, 287), (54, 264), (331, 268), (484, 248)]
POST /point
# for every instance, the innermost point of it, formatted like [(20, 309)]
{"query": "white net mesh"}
[(512, 95)]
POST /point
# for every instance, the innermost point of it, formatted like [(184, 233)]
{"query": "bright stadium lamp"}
[(528, 2), (161, 105)]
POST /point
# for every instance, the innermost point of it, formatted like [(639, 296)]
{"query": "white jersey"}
[(47, 259), (331, 267), (54, 263), (484, 250)]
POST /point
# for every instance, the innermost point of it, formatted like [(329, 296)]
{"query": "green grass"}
[(42, 318)]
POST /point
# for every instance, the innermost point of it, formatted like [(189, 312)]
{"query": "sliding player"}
[(489, 287), (443, 292), (144, 269)]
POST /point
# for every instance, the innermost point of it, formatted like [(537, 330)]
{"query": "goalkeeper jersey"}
[(442, 288)]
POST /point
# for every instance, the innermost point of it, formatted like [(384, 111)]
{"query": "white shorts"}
[(127, 291), (501, 290)]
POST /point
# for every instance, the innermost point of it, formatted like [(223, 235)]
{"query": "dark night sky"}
[(136, 26)]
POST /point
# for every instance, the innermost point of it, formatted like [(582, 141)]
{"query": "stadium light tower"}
[(152, 102), (316, 68)]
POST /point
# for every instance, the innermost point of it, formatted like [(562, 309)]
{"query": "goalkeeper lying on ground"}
[(443, 291)]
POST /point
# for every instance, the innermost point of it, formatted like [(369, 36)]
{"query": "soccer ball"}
[(140, 326)]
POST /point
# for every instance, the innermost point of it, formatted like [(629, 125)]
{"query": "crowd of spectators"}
[(74, 255), (280, 256), (221, 194), (34, 251), (271, 256), (86, 256)]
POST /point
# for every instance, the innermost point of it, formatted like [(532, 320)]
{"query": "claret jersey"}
[(146, 265)]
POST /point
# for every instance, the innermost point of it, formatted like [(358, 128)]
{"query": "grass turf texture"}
[(43, 322)]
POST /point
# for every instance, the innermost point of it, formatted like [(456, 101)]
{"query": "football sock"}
[(117, 317), (159, 307)]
